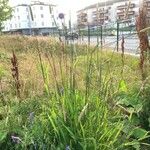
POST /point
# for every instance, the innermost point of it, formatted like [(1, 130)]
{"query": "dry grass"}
[(58, 64)]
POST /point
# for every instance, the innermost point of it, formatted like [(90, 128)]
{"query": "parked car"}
[(71, 36)]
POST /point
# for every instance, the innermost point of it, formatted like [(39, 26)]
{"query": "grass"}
[(71, 97)]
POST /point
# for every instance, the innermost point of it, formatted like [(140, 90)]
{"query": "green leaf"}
[(133, 143), (139, 133), (3, 135), (135, 120), (122, 86), (136, 146), (138, 107)]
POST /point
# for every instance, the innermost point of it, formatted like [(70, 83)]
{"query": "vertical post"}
[(79, 32), (101, 36), (70, 30), (97, 29), (89, 40), (97, 23), (117, 36)]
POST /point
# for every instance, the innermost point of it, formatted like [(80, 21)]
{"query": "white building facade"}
[(34, 18), (111, 11)]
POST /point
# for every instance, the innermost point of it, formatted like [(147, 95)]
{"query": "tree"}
[(5, 12)]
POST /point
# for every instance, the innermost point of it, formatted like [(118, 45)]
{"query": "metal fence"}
[(106, 36)]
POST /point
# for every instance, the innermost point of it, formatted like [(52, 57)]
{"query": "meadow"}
[(58, 96)]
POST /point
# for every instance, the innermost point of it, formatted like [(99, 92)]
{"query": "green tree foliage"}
[(5, 12)]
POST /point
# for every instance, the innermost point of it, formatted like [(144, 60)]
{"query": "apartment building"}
[(101, 14), (82, 18), (94, 14), (147, 6), (36, 18), (111, 11)]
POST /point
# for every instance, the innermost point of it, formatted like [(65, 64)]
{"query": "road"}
[(131, 42)]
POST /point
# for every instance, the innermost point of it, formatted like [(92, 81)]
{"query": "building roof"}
[(36, 3), (100, 4)]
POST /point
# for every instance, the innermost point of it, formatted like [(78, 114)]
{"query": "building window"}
[(42, 23), (18, 17), (34, 23), (17, 9), (19, 25), (26, 9), (41, 7), (53, 24), (42, 16), (10, 25), (27, 16), (15, 25)]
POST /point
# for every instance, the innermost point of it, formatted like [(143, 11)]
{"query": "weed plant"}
[(71, 97)]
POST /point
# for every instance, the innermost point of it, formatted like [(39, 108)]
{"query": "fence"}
[(107, 36)]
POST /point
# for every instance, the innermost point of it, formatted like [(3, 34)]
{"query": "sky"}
[(72, 6), (64, 6)]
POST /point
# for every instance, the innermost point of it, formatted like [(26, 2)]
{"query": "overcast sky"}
[(69, 4), (72, 6), (65, 5)]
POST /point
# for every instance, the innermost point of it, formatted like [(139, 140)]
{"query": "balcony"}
[(82, 23), (101, 19), (131, 13), (98, 22), (99, 15), (121, 18), (125, 6), (103, 11), (122, 7), (100, 12), (82, 15), (121, 13)]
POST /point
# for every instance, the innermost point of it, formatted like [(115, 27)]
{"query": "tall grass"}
[(70, 96)]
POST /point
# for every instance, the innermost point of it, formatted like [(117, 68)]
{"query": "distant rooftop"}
[(110, 2), (35, 3)]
